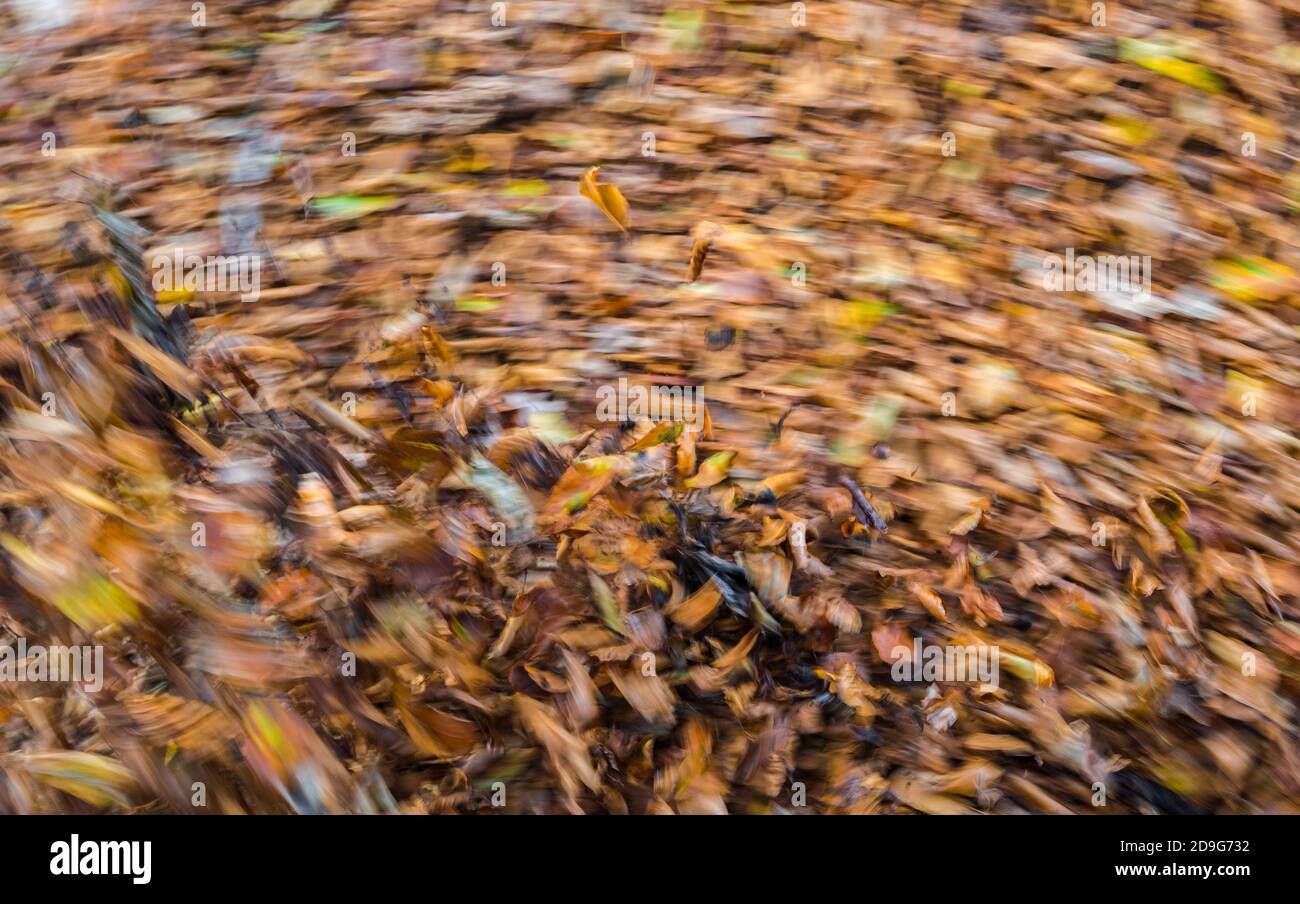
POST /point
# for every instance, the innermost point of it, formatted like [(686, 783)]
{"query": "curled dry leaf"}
[(345, 507), (98, 780), (713, 471), (606, 197), (695, 611)]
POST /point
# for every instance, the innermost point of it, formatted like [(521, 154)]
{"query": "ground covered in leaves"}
[(364, 545)]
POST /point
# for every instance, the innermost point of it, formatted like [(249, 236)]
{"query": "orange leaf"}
[(605, 196)]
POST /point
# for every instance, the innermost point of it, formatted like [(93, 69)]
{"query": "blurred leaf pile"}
[(362, 545)]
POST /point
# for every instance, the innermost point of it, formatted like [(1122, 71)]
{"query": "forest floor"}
[(329, 333)]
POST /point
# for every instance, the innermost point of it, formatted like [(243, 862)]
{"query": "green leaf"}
[(349, 207), (685, 24), (476, 303), (1165, 61)]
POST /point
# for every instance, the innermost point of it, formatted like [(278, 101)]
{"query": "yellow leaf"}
[(782, 483), (1032, 670), (98, 780), (665, 431), (95, 602), (713, 471), (605, 196), (607, 604)]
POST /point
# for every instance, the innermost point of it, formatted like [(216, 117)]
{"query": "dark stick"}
[(862, 509)]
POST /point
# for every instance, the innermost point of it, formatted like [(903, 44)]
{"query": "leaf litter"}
[(364, 545)]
